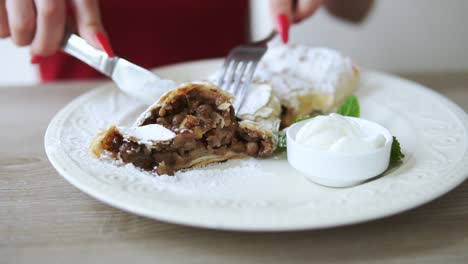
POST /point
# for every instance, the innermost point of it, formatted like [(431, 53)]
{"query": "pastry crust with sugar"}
[(194, 125), (307, 79)]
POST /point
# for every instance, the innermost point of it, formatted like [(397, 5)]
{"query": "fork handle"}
[(80, 49), (263, 42), (273, 33)]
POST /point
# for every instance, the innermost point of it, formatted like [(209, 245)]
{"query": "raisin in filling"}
[(201, 129)]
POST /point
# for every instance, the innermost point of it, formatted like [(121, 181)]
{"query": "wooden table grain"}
[(44, 219)]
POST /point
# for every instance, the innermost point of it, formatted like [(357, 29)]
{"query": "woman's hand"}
[(284, 13), (41, 23)]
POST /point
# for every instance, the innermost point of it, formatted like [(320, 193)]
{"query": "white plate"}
[(269, 195)]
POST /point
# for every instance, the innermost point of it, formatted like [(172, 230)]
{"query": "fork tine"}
[(238, 79), (230, 74), (240, 95), (242, 61), (221, 79)]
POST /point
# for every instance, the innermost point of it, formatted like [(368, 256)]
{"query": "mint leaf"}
[(281, 142), (350, 107), (396, 155)]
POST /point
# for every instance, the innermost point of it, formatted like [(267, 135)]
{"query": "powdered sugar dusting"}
[(296, 70), (292, 70), (148, 134), (240, 180), (218, 179), (215, 180), (322, 68), (257, 97)]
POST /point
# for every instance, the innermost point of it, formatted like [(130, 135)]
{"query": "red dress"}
[(151, 33)]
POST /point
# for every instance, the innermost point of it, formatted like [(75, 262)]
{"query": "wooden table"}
[(45, 219)]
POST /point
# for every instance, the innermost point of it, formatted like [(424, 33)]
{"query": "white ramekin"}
[(336, 169)]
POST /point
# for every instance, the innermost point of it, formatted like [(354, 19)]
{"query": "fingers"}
[(88, 20), (282, 12), (50, 27), (352, 11), (22, 20), (281, 7), (4, 28), (90, 25), (306, 8), (286, 12)]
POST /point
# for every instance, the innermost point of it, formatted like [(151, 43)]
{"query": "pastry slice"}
[(195, 125), (307, 79)]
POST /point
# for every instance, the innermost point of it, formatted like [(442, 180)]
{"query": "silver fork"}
[(242, 61)]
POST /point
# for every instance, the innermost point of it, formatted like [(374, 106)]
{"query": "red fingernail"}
[(36, 59), (105, 44), (283, 27)]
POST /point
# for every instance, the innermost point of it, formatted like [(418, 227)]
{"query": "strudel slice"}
[(194, 125), (307, 79)]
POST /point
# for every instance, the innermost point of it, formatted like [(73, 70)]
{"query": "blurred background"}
[(399, 36)]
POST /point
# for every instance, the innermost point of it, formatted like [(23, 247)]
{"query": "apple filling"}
[(206, 130)]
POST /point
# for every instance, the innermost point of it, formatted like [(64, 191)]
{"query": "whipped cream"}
[(147, 134), (339, 134)]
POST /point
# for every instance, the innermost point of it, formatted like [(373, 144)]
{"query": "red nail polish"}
[(105, 44), (283, 27), (35, 59)]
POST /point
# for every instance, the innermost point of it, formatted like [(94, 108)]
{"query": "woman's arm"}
[(350, 10)]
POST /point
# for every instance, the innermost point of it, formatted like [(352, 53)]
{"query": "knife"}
[(132, 79)]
